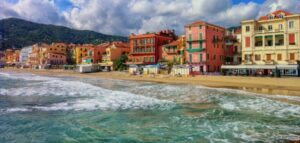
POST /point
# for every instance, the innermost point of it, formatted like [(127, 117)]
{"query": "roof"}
[(203, 23), (121, 45), (174, 43), (275, 14)]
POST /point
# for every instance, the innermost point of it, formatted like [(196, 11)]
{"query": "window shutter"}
[(247, 41), (292, 39)]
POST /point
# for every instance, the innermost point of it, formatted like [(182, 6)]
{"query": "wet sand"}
[(266, 85)]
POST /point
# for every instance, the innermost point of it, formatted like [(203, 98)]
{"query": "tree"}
[(119, 64)]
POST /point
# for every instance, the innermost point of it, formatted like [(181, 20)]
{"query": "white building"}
[(25, 52)]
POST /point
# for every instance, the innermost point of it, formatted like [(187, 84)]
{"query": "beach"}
[(265, 85)]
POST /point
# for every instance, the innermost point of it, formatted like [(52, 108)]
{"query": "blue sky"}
[(123, 17)]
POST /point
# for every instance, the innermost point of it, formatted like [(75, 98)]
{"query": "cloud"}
[(123, 17), (273, 5)]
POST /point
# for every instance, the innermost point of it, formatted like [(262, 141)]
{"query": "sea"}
[(59, 109)]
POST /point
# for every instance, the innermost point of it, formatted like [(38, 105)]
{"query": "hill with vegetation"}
[(17, 33)]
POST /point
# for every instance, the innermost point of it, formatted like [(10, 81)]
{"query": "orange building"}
[(90, 54), (174, 52), (114, 51), (12, 56), (146, 49)]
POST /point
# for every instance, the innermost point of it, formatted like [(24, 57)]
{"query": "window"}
[(292, 56), (292, 39), (257, 58), (270, 27), (215, 57), (190, 28), (291, 24), (190, 37), (269, 40), (247, 41), (191, 58), (260, 28), (280, 27), (279, 40), (247, 28), (269, 57), (207, 56), (279, 57), (200, 26), (258, 41)]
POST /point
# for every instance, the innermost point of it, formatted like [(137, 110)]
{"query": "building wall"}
[(149, 52), (24, 53), (271, 54), (56, 59), (212, 53)]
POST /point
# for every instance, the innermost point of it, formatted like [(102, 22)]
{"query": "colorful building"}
[(90, 54), (71, 56), (146, 49), (12, 56), (205, 47), (273, 39), (233, 46), (114, 51), (174, 52), (24, 54), (2, 59)]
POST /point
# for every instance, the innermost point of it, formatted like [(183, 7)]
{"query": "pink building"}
[(205, 47), (56, 59)]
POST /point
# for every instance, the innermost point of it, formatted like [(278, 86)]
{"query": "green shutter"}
[(191, 58), (201, 58)]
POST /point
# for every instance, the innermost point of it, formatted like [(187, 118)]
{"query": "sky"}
[(122, 17)]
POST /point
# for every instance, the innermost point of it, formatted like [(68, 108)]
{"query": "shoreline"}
[(265, 85)]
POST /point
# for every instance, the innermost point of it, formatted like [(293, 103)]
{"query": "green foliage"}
[(17, 33), (119, 64)]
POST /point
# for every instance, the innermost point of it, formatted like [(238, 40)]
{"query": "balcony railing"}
[(196, 40), (191, 50)]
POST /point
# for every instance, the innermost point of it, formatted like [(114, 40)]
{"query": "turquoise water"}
[(64, 109)]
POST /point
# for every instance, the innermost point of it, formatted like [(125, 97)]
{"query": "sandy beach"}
[(266, 85)]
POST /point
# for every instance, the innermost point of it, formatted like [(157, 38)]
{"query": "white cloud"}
[(139, 16), (43, 11), (273, 5)]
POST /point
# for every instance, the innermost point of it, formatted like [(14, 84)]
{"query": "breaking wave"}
[(88, 96)]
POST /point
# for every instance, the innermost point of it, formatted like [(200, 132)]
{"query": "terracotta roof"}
[(276, 14), (174, 43), (121, 45), (203, 23)]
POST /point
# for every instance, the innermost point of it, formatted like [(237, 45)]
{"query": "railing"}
[(195, 50), (196, 40)]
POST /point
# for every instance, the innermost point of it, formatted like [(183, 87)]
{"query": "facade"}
[(146, 49), (24, 54), (233, 46), (274, 39), (174, 52), (2, 59), (12, 56), (71, 56), (205, 47), (90, 54), (114, 51)]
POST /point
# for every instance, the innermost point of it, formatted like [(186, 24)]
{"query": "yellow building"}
[(114, 51), (274, 39)]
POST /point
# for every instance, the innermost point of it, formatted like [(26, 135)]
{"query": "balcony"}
[(192, 50), (195, 40)]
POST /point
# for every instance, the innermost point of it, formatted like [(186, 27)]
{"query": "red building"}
[(146, 49), (205, 47)]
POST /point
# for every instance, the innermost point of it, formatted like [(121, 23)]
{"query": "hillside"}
[(17, 33)]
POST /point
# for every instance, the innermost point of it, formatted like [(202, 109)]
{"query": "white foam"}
[(96, 98), (263, 106)]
